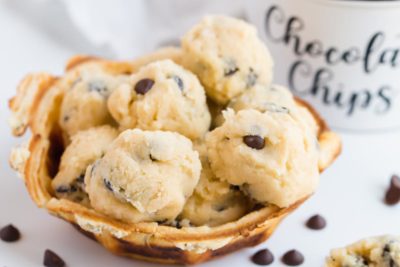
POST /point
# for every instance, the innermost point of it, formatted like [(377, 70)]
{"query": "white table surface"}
[(350, 195)]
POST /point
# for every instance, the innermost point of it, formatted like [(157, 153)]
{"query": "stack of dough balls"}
[(199, 143)]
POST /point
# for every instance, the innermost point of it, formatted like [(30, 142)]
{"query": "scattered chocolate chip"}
[(66, 118), (98, 86), (81, 178), (263, 257), (231, 67), (51, 259), (386, 255), (178, 81), (251, 78), (293, 258), (235, 187), (254, 141), (316, 222), (108, 184), (392, 196), (9, 233), (143, 86), (152, 157), (62, 189)]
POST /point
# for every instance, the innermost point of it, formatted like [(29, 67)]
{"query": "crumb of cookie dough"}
[(268, 154), (85, 148), (162, 96), (85, 101), (227, 55), (274, 98), (214, 202), (150, 173), (383, 251)]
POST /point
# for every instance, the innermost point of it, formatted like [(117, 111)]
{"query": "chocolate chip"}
[(51, 259), (231, 67), (386, 255), (235, 187), (316, 222), (392, 196), (254, 141), (293, 258), (143, 86), (66, 118), (178, 81), (9, 233), (251, 78), (62, 189), (108, 184), (81, 179), (152, 157), (98, 86), (263, 257)]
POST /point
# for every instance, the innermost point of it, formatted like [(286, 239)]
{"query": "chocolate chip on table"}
[(293, 258), (392, 196), (316, 222), (51, 259), (263, 257), (254, 141), (143, 86), (9, 233), (178, 81)]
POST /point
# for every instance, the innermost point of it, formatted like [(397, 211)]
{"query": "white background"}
[(350, 195)]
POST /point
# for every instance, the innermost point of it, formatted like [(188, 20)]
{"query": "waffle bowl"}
[(37, 106)]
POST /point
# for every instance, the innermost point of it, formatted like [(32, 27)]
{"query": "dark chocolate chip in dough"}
[(51, 259), (230, 67), (251, 78), (263, 257), (9, 233), (178, 81), (143, 86), (293, 258), (108, 184), (316, 222), (235, 187), (63, 189), (254, 141), (98, 86), (392, 196), (80, 179)]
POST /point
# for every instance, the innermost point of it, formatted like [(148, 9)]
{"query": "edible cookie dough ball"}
[(146, 173), (85, 147), (162, 96), (381, 251), (85, 103), (227, 55), (268, 154), (274, 98), (214, 202)]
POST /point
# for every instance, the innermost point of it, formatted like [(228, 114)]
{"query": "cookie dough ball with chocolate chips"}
[(228, 57), (85, 148), (381, 251), (214, 202), (274, 98), (144, 176), (162, 96), (85, 101), (268, 154)]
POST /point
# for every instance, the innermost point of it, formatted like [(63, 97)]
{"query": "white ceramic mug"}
[(341, 56)]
